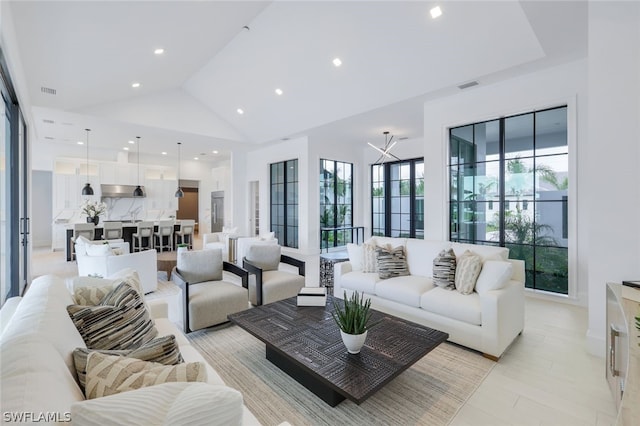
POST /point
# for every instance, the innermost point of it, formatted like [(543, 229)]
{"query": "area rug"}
[(429, 393)]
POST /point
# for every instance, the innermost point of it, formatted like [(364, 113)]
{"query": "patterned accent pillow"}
[(91, 296), (112, 374), (467, 271), (392, 262), (163, 350), (369, 258), (444, 270), (121, 321)]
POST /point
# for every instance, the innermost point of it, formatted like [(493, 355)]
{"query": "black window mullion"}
[(502, 184)]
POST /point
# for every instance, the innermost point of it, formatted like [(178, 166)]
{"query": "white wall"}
[(613, 144), (566, 84), (257, 168), (42, 204)]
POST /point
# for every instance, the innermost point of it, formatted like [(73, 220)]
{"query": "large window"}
[(336, 202), (284, 202), (509, 182), (397, 194)]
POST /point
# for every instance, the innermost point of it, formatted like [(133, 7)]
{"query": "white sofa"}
[(38, 375), (97, 258), (487, 321)]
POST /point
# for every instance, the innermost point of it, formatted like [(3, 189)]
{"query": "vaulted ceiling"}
[(221, 56)]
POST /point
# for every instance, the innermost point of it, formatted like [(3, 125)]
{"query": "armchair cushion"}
[(197, 266), (210, 302), (265, 256), (276, 285)]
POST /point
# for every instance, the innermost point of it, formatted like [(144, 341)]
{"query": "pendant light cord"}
[(88, 130), (138, 143)]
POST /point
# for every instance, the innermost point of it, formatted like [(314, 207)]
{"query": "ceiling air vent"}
[(47, 121), (467, 85), (49, 138), (48, 90)]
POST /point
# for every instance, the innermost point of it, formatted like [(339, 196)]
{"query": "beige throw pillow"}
[(369, 258), (112, 374), (468, 269), (91, 296), (163, 350)]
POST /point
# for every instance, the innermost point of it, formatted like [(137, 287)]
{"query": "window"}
[(284, 202), (397, 198), (336, 201), (521, 164)]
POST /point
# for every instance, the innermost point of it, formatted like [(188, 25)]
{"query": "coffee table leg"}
[(320, 389)]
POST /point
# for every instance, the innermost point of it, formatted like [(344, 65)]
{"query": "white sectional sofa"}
[(38, 375), (487, 321)]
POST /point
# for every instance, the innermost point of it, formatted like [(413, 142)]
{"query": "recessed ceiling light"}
[(337, 62), (279, 92), (80, 143), (131, 142), (195, 158), (126, 148), (164, 152), (135, 85), (435, 12), (215, 152), (159, 51), (240, 111)]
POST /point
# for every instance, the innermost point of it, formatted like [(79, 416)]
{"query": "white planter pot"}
[(353, 342), (181, 249)]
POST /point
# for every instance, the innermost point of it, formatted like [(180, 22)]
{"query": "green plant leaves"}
[(355, 316)]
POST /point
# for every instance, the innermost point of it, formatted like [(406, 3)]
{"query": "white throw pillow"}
[(369, 258), (467, 271), (268, 236), (494, 276), (356, 254), (98, 249), (165, 404)]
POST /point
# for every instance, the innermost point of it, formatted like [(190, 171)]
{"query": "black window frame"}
[(283, 229), (338, 237)]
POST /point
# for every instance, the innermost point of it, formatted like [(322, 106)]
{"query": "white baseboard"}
[(596, 344)]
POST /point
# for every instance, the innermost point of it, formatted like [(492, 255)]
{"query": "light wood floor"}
[(545, 378)]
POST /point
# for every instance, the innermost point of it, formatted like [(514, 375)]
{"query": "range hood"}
[(120, 191)]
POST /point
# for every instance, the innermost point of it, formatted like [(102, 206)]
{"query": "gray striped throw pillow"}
[(121, 321), (444, 269), (392, 262)]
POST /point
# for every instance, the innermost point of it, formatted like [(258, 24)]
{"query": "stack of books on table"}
[(312, 296)]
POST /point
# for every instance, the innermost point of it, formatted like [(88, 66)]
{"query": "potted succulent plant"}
[(353, 320)]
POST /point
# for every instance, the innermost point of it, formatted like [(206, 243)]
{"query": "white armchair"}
[(216, 240), (243, 244), (101, 259)]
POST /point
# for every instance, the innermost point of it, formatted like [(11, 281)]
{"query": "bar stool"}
[(112, 231), (186, 230), (165, 230), (145, 230), (87, 230)]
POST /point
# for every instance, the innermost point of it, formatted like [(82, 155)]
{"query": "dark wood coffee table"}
[(305, 343)]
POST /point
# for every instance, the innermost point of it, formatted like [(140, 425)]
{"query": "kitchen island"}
[(128, 229)]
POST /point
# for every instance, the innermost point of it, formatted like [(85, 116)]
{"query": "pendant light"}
[(179, 193), (87, 190), (138, 191)]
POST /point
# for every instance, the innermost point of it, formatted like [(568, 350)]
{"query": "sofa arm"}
[(502, 317), (158, 308), (339, 269)]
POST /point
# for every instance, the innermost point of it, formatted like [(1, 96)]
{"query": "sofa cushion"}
[(420, 255), (406, 289), (444, 270), (361, 281), (34, 378), (486, 252), (112, 374), (454, 305), (495, 275), (356, 256), (164, 404), (265, 256), (197, 266), (121, 321), (42, 313), (467, 271), (392, 262), (163, 350)]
